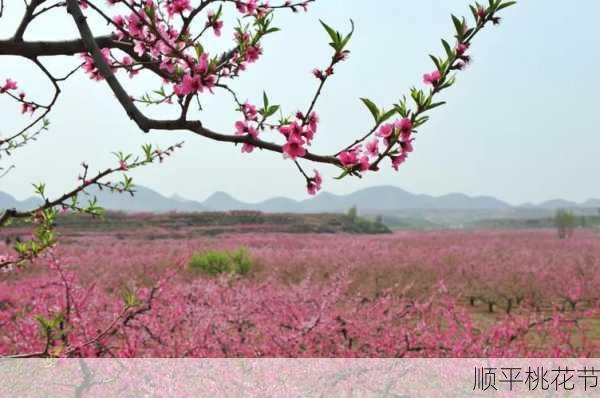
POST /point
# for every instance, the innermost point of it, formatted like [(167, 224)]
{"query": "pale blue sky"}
[(521, 123)]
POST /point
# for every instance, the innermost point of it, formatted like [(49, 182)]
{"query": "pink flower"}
[(309, 135), (481, 11), (290, 130), (262, 9), (314, 184), (364, 163), (217, 26), (213, 22), (432, 78), (407, 146), (294, 147), (251, 7), (249, 111), (313, 121), (241, 6), (209, 82), (247, 148), (168, 65), (341, 56), (119, 21), (27, 107), (178, 6), (461, 48), (89, 66), (373, 147), (348, 158), (139, 47), (193, 84), (398, 160), (9, 85), (202, 66), (242, 37), (404, 126), (253, 53), (127, 63), (242, 128), (136, 25), (123, 165), (386, 131)]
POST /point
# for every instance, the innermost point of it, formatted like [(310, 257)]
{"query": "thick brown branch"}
[(31, 49)]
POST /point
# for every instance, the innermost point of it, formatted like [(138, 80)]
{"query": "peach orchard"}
[(63, 316)]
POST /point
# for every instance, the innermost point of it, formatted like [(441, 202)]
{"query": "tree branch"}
[(31, 49), (146, 124)]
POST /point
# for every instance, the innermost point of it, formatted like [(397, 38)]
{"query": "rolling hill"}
[(372, 200)]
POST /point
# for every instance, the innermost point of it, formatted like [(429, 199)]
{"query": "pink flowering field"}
[(407, 294)]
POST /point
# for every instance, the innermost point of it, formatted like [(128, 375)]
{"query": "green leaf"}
[(436, 104), (271, 111), (344, 174), (387, 115), (150, 12), (448, 49), (272, 30), (436, 61), (44, 323), (130, 299), (335, 36), (417, 96), (473, 11), (420, 121), (457, 25), (347, 38), (505, 5), (372, 108), (199, 49)]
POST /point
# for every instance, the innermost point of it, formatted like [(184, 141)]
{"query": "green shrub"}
[(216, 262), (241, 261)]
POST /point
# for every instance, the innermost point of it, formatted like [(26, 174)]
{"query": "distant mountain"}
[(278, 205), (8, 202), (372, 200), (221, 201), (557, 204), (145, 200), (591, 203)]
